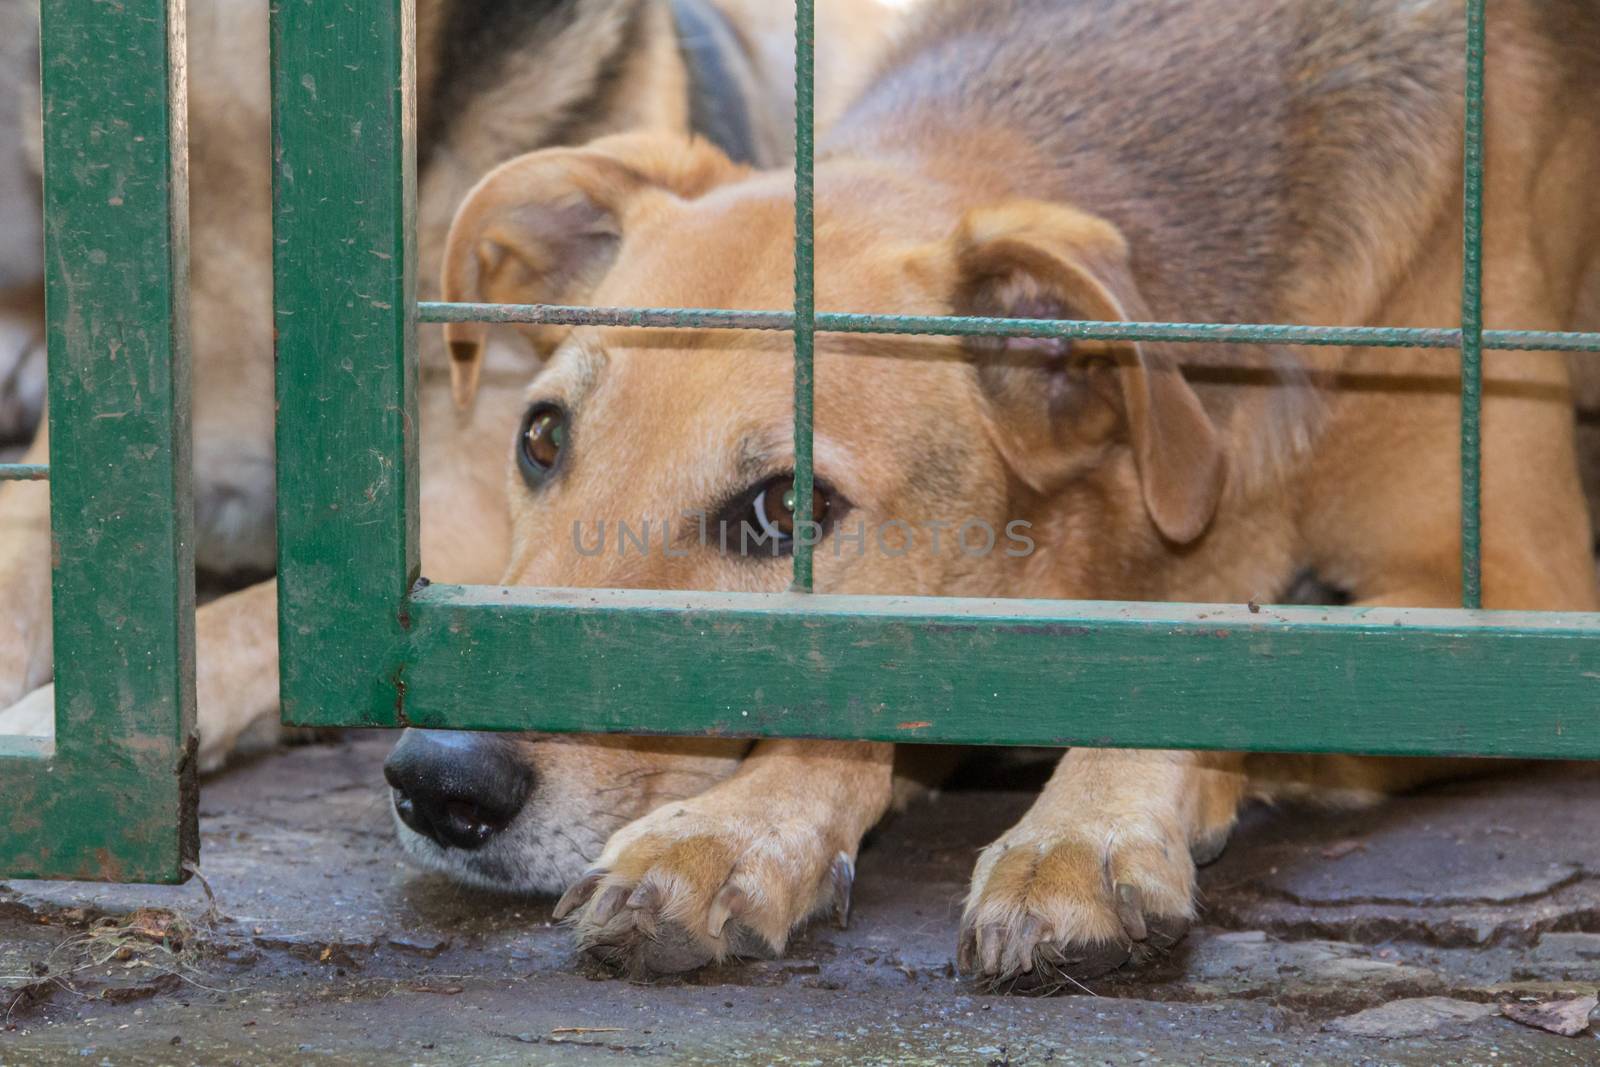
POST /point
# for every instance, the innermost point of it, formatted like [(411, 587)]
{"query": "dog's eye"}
[(540, 440), (771, 510)]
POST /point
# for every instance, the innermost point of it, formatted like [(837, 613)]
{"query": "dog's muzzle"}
[(456, 789)]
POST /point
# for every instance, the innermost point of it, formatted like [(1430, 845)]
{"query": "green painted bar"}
[(574, 315), (805, 283), (1472, 318), (24, 472), (114, 797), (1540, 341), (962, 326), (1012, 672), (344, 131)]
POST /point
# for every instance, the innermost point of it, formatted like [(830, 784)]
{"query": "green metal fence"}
[(363, 643)]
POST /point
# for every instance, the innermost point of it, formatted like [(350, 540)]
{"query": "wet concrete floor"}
[(1397, 936)]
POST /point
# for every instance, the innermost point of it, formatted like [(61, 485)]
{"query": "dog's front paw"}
[(1052, 906), (686, 886)]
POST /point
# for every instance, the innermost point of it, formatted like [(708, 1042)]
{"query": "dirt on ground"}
[(1418, 933)]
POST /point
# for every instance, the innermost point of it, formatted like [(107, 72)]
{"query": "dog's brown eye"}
[(773, 508), (539, 444)]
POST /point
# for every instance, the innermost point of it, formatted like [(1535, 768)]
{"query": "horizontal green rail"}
[(24, 472), (968, 326), (1019, 672)]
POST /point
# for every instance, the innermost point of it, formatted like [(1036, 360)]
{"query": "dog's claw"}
[(843, 875), (967, 948), (989, 943), (645, 904), (1130, 911), (608, 904), (578, 893), (1018, 956), (645, 897), (729, 904)]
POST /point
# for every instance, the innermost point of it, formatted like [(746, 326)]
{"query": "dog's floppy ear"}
[(1039, 260), (544, 228)]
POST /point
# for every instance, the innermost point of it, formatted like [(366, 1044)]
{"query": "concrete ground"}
[(1400, 936)]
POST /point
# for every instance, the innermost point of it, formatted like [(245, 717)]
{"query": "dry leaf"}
[(152, 924), (1569, 1017)]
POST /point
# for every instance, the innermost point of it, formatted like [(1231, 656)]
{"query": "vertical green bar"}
[(344, 195), (116, 799), (1472, 318), (805, 307)]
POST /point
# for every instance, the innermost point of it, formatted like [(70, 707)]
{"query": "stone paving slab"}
[(1502, 861), (1384, 937)]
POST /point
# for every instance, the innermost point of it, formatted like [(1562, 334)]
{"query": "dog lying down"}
[(1199, 160)]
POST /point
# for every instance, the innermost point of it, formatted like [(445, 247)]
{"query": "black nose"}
[(459, 789)]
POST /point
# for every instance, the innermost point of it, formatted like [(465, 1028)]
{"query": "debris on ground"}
[(1340, 849), (586, 1030), (1569, 1017), (148, 952)]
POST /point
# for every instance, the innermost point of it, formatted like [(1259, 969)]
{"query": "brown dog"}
[(496, 78), (1295, 161)]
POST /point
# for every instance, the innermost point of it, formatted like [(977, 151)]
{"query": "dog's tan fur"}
[(1191, 159), (612, 65)]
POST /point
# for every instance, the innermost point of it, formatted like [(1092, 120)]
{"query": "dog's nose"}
[(458, 789)]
